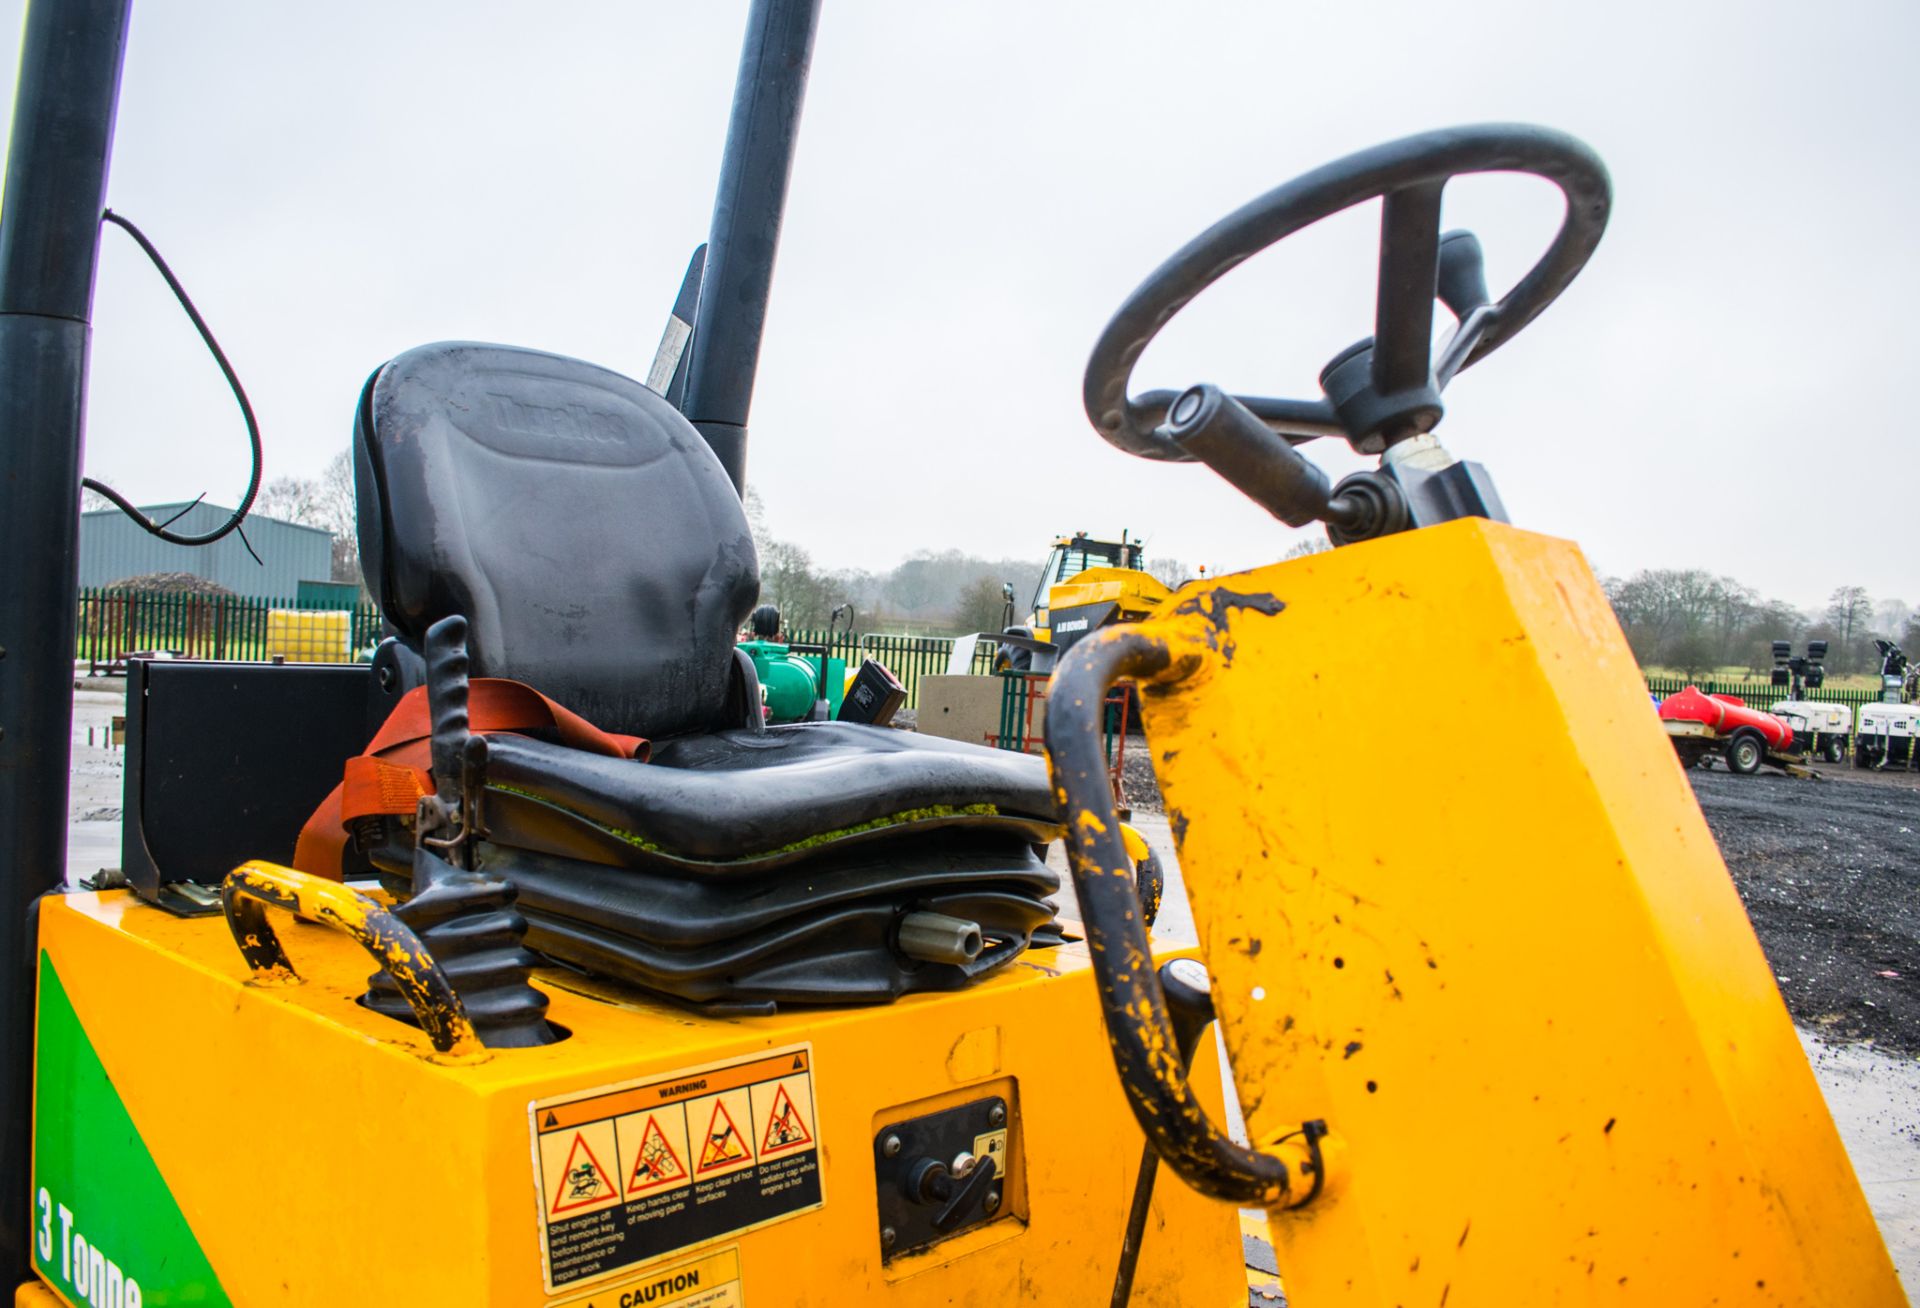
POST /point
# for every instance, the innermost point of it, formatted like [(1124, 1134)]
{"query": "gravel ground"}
[(1136, 777), (1829, 870), (1830, 873)]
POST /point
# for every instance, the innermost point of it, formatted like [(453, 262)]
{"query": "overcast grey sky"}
[(980, 184)]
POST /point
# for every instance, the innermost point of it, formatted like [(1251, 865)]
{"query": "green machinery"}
[(796, 680)]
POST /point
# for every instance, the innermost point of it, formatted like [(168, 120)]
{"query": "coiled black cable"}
[(232, 524)]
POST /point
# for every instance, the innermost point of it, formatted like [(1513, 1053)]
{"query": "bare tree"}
[(290, 499), (340, 514), (1689, 619), (326, 502), (1890, 617), (1173, 572), (1849, 610), (1693, 653), (981, 605), (756, 509), (914, 587), (1730, 608), (789, 581)]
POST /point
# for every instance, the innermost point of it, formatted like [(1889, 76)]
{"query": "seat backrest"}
[(579, 522)]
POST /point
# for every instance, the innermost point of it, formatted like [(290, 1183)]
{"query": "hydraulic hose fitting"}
[(1363, 506), (937, 938)]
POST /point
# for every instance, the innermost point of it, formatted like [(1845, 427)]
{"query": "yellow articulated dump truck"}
[(528, 965), (1085, 585)]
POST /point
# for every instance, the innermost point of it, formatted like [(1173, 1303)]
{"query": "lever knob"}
[(930, 1181), (1225, 435), (1462, 281), (1189, 995)]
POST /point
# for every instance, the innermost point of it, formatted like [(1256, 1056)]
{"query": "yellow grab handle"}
[(250, 888)]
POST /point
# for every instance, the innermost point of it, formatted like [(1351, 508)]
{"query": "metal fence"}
[(115, 623), (1761, 693), (907, 657)]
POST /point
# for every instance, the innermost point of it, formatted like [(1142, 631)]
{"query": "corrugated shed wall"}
[(113, 547)]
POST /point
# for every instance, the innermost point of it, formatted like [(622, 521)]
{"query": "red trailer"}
[(1702, 725)]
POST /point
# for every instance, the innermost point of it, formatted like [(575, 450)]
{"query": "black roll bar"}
[(56, 185)]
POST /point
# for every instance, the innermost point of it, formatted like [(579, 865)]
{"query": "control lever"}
[(1189, 995), (1461, 284), (1462, 280), (1223, 433), (960, 1187), (442, 820)]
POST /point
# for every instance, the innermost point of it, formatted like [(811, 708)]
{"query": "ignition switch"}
[(941, 1173), (958, 1188)]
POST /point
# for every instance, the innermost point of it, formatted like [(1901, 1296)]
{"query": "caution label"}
[(709, 1282), (632, 1173)]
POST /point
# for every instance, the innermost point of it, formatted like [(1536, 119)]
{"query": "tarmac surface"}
[(1828, 870)]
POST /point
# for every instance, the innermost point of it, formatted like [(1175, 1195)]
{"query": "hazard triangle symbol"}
[(723, 1144), (658, 1164), (583, 1181), (785, 1127)]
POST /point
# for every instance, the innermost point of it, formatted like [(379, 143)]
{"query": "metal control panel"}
[(942, 1173)]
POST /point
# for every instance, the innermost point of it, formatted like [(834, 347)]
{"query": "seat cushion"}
[(741, 801), (669, 911), (578, 521), (824, 932)]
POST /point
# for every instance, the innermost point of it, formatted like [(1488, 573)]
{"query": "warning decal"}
[(575, 1164), (632, 1173), (723, 1146), (786, 1124), (655, 1161)]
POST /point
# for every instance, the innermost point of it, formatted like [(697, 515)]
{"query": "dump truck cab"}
[(1067, 560)]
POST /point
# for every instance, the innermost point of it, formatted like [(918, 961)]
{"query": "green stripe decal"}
[(107, 1232)]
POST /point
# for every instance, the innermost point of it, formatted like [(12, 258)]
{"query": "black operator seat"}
[(600, 554)]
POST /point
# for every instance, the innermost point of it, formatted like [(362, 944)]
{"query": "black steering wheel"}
[(1385, 388)]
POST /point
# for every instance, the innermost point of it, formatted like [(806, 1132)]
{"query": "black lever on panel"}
[(1189, 995), (931, 1181)]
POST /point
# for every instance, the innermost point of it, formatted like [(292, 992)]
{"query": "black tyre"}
[(1745, 753), (1012, 658), (1836, 749)]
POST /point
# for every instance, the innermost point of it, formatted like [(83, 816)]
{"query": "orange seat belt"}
[(394, 771)]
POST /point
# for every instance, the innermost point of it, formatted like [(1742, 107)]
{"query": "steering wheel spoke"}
[(1409, 274)]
